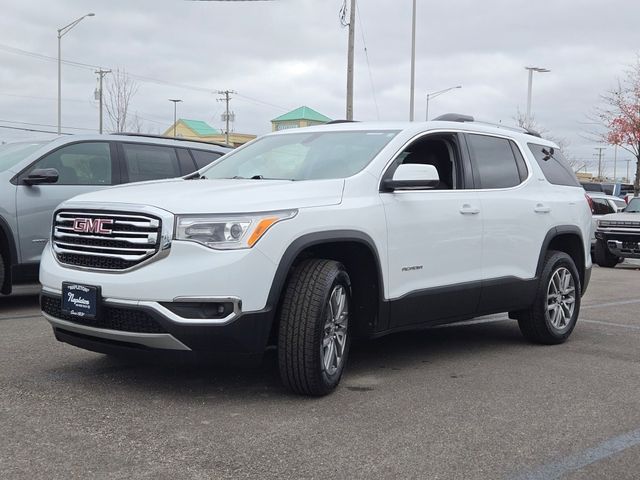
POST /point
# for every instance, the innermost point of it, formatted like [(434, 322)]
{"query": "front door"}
[(434, 239), (82, 167)]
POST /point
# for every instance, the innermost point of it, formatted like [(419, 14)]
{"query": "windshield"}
[(12, 153), (634, 206), (302, 156)]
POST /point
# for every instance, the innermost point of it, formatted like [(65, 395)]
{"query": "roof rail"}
[(454, 117), (457, 117), (332, 122), (513, 128), (162, 137)]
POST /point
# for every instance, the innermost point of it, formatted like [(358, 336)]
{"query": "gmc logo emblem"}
[(92, 225)]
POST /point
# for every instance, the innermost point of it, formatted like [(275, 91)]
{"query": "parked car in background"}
[(602, 204), (618, 236), (37, 176)]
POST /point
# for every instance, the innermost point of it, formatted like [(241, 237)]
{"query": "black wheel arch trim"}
[(318, 238), (556, 232), (12, 259)]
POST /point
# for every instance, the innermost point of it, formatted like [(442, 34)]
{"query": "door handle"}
[(467, 209), (540, 208)]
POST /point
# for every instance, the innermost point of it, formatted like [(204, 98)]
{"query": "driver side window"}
[(87, 163), (441, 151)]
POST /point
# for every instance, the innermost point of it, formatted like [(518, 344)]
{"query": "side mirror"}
[(42, 175), (412, 176)]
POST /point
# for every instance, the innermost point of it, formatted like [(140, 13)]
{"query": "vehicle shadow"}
[(211, 380)]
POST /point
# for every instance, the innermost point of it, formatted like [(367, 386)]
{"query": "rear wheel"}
[(554, 313), (313, 340), (2, 272), (603, 257)]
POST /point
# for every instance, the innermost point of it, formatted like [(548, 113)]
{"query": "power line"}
[(366, 55), (33, 130), (45, 125)]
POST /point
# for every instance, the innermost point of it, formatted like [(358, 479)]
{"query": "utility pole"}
[(352, 32), (615, 162), (227, 115), (101, 73), (413, 62), (600, 149)]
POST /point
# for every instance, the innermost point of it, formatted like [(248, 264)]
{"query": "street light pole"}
[(175, 110), (61, 33), (437, 94), (413, 62), (530, 87)]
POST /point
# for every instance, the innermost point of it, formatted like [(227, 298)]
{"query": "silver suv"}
[(37, 176)]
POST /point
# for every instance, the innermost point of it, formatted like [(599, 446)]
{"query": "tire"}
[(2, 275), (551, 319), (314, 316), (603, 257)]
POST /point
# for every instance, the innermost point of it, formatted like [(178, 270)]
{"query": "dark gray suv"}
[(37, 176)]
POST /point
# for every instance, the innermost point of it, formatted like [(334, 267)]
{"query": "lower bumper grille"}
[(111, 318)]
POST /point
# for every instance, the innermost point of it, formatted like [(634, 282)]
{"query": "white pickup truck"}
[(618, 236)]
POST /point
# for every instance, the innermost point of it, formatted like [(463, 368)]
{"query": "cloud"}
[(282, 54)]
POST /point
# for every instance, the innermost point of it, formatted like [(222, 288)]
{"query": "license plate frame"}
[(81, 301)]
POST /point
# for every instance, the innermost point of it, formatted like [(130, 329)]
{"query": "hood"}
[(621, 217), (220, 196)]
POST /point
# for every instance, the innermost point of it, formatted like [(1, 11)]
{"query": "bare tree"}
[(120, 90), (620, 116)]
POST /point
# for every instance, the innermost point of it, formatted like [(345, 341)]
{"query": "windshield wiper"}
[(194, 176)]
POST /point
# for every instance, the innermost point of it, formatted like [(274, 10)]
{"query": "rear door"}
[(82, 167), (517, 215), (143, 162)]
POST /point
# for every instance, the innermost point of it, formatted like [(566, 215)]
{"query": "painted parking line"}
[(582, 459), (611, 304), (610, 324)]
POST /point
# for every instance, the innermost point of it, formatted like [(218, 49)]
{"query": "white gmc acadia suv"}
[(307, 238)]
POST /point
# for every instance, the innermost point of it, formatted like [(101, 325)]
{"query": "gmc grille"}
[(105, 240)]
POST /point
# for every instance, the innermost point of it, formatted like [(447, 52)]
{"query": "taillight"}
[(590, 202)]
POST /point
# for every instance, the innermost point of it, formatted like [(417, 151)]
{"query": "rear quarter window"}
[(555, 168)]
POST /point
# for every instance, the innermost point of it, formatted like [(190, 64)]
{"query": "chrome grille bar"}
[(122, 241)]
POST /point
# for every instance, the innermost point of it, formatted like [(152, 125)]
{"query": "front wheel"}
[(554, 313), (313, 340)]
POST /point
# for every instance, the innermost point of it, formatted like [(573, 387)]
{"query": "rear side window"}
[(495, 161), (204, 158), (150, 162), (555, 168), (601, 206)]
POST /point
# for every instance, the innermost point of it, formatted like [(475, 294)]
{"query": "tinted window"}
[(150, 162), (494, 161), (186, 162), (203, 158), (556, 170), (80, 164), (601, 206)]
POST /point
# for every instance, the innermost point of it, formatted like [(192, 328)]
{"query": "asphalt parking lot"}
[(470, 401)]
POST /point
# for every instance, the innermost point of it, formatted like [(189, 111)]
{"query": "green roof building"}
[(300, 117)]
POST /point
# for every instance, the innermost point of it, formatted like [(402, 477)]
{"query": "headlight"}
[(228, 232)]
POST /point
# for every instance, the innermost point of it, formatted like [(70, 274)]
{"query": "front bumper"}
[(621, 243), (126, 327)]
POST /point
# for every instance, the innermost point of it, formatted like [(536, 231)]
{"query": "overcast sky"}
[(281, 54)]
